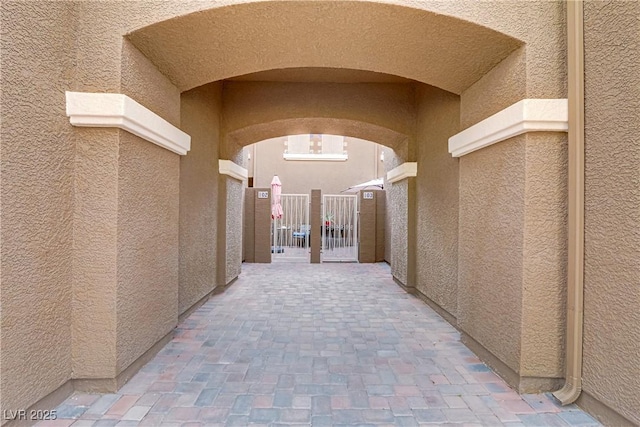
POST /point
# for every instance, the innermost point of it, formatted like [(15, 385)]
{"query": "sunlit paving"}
[(321, 345)]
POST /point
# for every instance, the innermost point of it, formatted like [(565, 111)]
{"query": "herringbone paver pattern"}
[(321, 345)]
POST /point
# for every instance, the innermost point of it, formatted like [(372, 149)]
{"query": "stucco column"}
[(316, 226), (231, 192), (257, 225), (512, 240), (403, 230)]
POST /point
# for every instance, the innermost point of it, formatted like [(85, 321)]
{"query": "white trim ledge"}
[(528, 115), (118, 110), (405, 170), (227, 167), (317, 157)]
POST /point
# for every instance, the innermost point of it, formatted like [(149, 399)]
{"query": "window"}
[(315, 147)]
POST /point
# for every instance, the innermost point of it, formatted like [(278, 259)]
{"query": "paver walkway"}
[(330, 344)]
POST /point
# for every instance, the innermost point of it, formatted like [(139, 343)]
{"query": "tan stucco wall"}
[(233, 228), (437, 117), (200, 110), (512, 250), (332, 177), (512, 254), (490, 266), (611, 370), (398, 208), (148, 212), (147, 303), (370, 43), (38, 157), (544, 256), (94, 253), (36, 193), (247, 104)]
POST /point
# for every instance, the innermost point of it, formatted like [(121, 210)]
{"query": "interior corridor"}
[(321, 345)]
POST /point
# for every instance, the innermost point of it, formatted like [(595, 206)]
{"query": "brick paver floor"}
[(321, 345)]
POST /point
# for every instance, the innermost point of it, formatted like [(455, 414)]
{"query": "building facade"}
[(123, 127)]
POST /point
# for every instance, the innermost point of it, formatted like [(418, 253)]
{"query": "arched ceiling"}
[(245, 39), (332, 126), (319, 75)]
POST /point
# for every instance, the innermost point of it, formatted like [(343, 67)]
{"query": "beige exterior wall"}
[(490, 248), (200, 110), (512, 251), (37, 157), (544, 256), (300, 177), (71, 211), (398, 208), (612, 209), (95, 253), (147, 292), (148, 212), (249, 106), (234, 191), (437, 114)]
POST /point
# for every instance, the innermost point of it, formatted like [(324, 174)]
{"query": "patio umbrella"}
[(276, 190), (276, 213), (374, 184)]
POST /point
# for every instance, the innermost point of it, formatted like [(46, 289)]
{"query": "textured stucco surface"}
[(611, 370), (372, 42), (399, 213), (491, 223), (327, 125), (299, 177), (544, 256), (199, 195), (142, 81), (94, 253), (233, 228), (148, 194), (512, 220), (36, 193), (437, 115), (148, 219), (385, 105), (38, 155), (512, 253), (503, 86), (101, 229)]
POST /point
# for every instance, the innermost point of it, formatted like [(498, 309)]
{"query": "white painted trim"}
[(117, 110), (317, 157), (227, 167), (405, 170), (528, 115)]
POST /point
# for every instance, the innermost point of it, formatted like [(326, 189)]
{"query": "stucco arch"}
[(256, 110), (321, 125), (222, 42)]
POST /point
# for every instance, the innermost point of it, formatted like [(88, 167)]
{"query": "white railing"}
[(290, 234), (339, 228)]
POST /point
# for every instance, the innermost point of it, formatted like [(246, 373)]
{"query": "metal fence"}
[(339, 228), (290, 234)]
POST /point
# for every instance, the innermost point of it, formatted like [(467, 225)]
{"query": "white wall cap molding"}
[(227, 167), (117, 110), (405, 170), (528, 115), (317, 157)]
